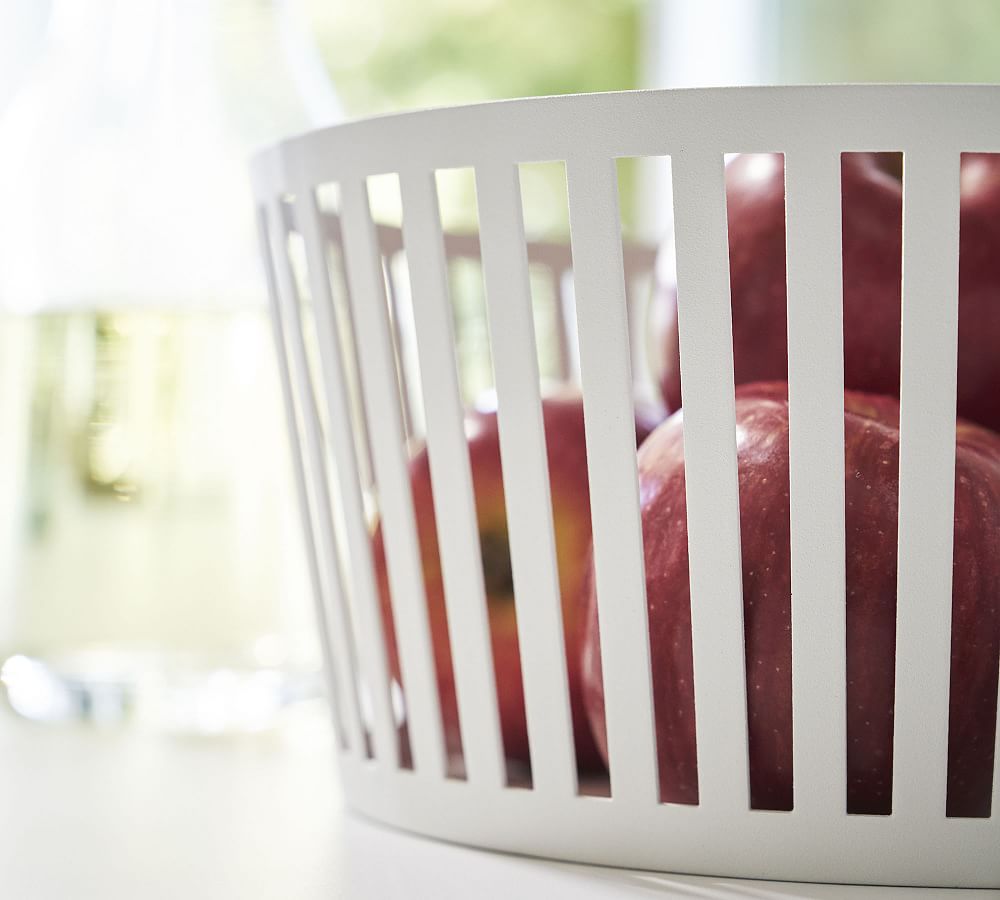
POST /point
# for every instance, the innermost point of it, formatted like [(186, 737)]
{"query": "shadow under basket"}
[(369, 369)]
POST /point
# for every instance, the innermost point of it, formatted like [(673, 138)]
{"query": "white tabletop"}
[(123, 815)]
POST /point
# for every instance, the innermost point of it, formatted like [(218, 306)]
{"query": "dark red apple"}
[(563, 423), (871, 481), (872, 247), (979, 290)]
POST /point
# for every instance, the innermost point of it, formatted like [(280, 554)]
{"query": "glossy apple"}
[(563, 422), (872, 248), (871, 456)]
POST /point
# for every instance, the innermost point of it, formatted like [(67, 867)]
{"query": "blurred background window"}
[(152, 562)]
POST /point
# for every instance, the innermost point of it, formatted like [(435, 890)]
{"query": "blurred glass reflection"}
[(150, 539), (149, 543)]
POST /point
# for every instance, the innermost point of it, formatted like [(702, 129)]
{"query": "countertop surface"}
[(118, 814)]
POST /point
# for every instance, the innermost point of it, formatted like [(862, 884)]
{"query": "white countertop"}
[(127, 815)]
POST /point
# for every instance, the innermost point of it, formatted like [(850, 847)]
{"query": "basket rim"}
[(269, 163)]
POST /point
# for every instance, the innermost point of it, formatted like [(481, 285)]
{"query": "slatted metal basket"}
[(817, 840)]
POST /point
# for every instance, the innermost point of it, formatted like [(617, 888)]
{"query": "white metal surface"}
[(705, 323), (817, 840), (451, 482), (602, 327), (529, 507), (398, 525), (816, 477), (300, 405), (928, 370)]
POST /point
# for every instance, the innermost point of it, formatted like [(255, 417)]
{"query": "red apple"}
[(562, 417), (979, 290), (872, 247), (871, 481)]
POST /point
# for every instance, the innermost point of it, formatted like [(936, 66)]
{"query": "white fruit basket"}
[(817, 840)]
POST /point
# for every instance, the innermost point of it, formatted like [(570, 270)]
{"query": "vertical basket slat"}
[(529, 506), (706, 354), (816, 481), (451, 479), (926, 480), (373, 680), (366, 606), (298, 472), (333, 603), (602, 324), (405, 574)]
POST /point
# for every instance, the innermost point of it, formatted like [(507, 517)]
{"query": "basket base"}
[(692, 840)]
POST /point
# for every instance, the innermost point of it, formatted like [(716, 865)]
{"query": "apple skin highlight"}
[(871, 485)]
